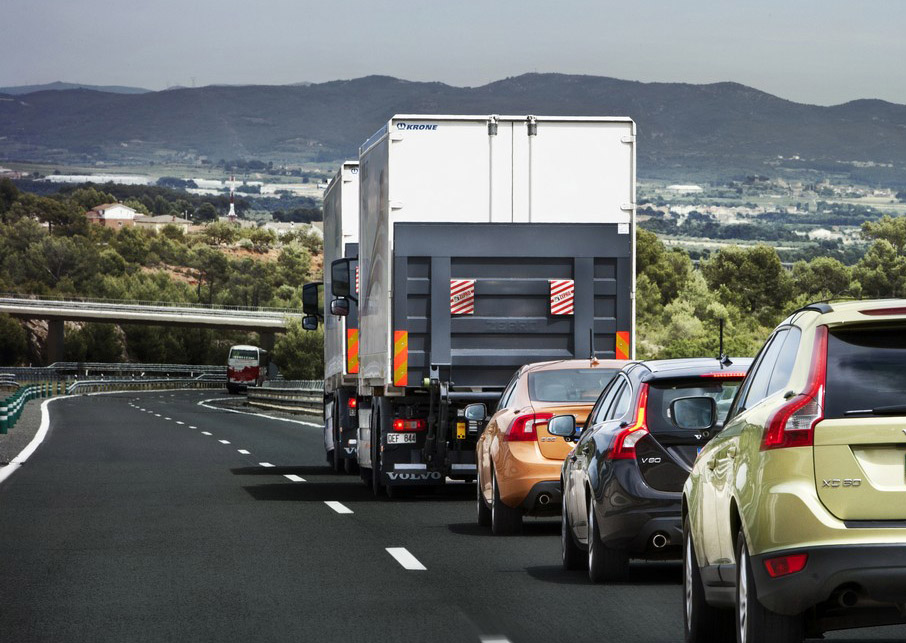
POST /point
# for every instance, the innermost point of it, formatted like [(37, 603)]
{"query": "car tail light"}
[(523, 427), (410, 425), (793, 424), (352, 403), (884, 311), (624, 444), (784, 565)]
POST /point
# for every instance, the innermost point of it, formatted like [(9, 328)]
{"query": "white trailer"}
[(341, 334), (485, 243)]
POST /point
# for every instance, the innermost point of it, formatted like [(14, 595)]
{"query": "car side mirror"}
[(339, 307), (476, 412), (562, 425), (694, 413), (310, 322)]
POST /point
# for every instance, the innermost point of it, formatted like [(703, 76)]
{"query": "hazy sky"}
[(815, 51)]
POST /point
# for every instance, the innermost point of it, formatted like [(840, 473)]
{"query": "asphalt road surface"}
[(148, 517)]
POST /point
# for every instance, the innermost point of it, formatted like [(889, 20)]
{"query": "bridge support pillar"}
[(266, 341), (54, 347)]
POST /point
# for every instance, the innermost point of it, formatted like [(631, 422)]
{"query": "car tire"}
[(702, 622), (573, 557), (605, 564), (482, 511), (754, 622), (505, 520)]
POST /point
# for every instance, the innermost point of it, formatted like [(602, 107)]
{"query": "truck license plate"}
[(400, 438)]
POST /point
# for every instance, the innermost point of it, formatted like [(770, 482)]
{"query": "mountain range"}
[(686, 130)]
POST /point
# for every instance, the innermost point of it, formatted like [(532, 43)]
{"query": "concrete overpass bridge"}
[(265, 321)]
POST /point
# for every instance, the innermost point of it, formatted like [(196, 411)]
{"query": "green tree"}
[(213, 270), (752, 279), (220, 233), (13, 342), (882, 271), (206, 212), (299, 354), (890, 229), (9, 193), (822, 277)]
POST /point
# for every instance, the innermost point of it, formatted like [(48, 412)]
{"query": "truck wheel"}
[(482, 510), (754, 622), (605, 564), (337, 460), (573, 557), (376, 486), (505, 521), (350, 466), (703, 623)]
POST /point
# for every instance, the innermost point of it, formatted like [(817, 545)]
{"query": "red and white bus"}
[(246, 366)]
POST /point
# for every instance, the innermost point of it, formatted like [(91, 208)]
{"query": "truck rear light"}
[(410, 425), (793, 424), (352, 403), (523, 427), (784, 565), (624, 443)]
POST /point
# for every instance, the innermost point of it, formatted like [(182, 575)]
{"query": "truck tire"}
[(702, 622), (573, 557), (337, 460), (483, 513), (376, 487), (350, 466), (754, 622), (505, 520), (605, 564)]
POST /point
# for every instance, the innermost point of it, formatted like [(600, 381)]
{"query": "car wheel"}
[(754, 622), (573, 557), (605, 564), (703, 623), (483, 513), (505, 521)]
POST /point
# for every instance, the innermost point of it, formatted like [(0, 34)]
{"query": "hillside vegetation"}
[(684, 129)]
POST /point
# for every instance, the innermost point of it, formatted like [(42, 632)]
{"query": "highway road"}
[(150, 517)]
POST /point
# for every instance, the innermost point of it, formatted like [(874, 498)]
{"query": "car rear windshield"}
[(569, 385), (866, 369), (662, 393), (243, 354)]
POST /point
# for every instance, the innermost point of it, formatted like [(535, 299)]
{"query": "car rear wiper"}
[(896, 409)]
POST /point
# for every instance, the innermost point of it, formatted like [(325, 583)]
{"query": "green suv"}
[(794, 515)]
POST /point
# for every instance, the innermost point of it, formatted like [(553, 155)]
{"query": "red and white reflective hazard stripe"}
[(462, 296), (562, 292)]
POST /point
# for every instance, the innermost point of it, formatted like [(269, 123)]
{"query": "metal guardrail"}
[(143, 303), (304, 385), (11, 407), (71, 370), (102, 386), (295, 399)]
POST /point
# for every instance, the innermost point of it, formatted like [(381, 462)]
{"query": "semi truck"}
[(485, 243), (341, 354)]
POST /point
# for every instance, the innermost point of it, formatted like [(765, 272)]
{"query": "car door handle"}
[(731, 452)]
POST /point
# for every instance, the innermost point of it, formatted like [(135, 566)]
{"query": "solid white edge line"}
[(205, 404), (25, 454), (292, 477), (494, 639), (404, 558), (339, 507)]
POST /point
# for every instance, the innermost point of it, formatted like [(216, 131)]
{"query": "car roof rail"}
[(822, 307)]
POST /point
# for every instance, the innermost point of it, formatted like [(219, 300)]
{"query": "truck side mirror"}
[(311, 304), (342, 278), (309, 322), (694, 413), (339, 307)]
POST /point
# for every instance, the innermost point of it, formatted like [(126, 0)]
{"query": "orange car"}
[(519, 462)]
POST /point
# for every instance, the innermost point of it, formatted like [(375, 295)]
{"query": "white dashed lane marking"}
[(293, 478), (168, 418), (192, 426), (404, 558), (224, 441), (265, 464), (494, 639), (339, 507), (178, 422), (157, 415), (205, 433), (243, 452)]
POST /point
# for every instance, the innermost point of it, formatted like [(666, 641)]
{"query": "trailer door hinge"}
[(396, 136), (628, 139), (396, 205), (627, 207)]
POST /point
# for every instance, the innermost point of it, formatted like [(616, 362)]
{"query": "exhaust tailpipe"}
[(659, 540), (847, 598), (544, 499)]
